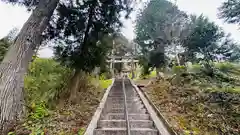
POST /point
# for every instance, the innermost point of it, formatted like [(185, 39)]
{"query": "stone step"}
[(131, 116), (131, 98), (135, 109), (122, 100), (121, 96), (122, 131), (130, 110), (122, 123), (134, 105), (116, 94)]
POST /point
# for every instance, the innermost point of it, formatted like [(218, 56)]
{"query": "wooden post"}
[(132, 64), (97, 71), (112, 60)]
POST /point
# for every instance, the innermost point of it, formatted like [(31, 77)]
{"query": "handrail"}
[(126, 108)]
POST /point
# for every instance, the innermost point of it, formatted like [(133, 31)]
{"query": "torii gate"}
[(125, 60)]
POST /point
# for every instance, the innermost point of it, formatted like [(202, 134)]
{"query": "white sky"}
[(14, 16)]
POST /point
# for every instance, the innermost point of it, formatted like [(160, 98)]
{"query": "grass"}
[(153, 74), (105, 83), (49, 108), (199, 104), (190, 110), (228, 89)]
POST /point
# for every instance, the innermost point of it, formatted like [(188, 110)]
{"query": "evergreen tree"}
[(16, 61), (159, 25), (229, 11)]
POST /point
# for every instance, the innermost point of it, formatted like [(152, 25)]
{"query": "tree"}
[(159, 25), (227, 49), (229, 11), (83, 37), (203, 38), (16, 61), (121, 47)]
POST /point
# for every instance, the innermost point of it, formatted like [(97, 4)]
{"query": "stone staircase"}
[(113, 119)]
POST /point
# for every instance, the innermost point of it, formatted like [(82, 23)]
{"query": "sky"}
[(15, 16)]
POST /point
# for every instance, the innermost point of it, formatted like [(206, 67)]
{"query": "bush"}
[(145, 71), (39, 111), (225, 66), (179, 69), (105, 83), (105, 75), (45, 81), (196, 68)]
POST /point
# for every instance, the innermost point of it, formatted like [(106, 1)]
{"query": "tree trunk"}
[(16, 61), (74, 86), (160, 74)]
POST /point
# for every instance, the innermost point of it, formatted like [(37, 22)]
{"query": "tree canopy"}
[(229, 11), (80, 26), (204, 36), (84, 30), (163, 32), (159, 25)]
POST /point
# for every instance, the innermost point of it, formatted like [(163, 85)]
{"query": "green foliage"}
[(45, 81), (11, 133), (225, 66), (37, 131), (81, 131), (207, 107), (105, 75), (150, 33), (130, 74), (149, 74), (145, 66), (153, 73), (151, 24), (4, 44), (179, 69), (105, 83), (145, 71), (85, 31), (46, 87), (157, 59), (158, 27), (230, 11), (203, 38), (39, 111), (196, 68), (121, 45)]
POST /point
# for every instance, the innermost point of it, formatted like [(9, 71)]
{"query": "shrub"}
[(45, 81), (196, 68), (39, 111), (225, 66), (105, 83), (179, 69)]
